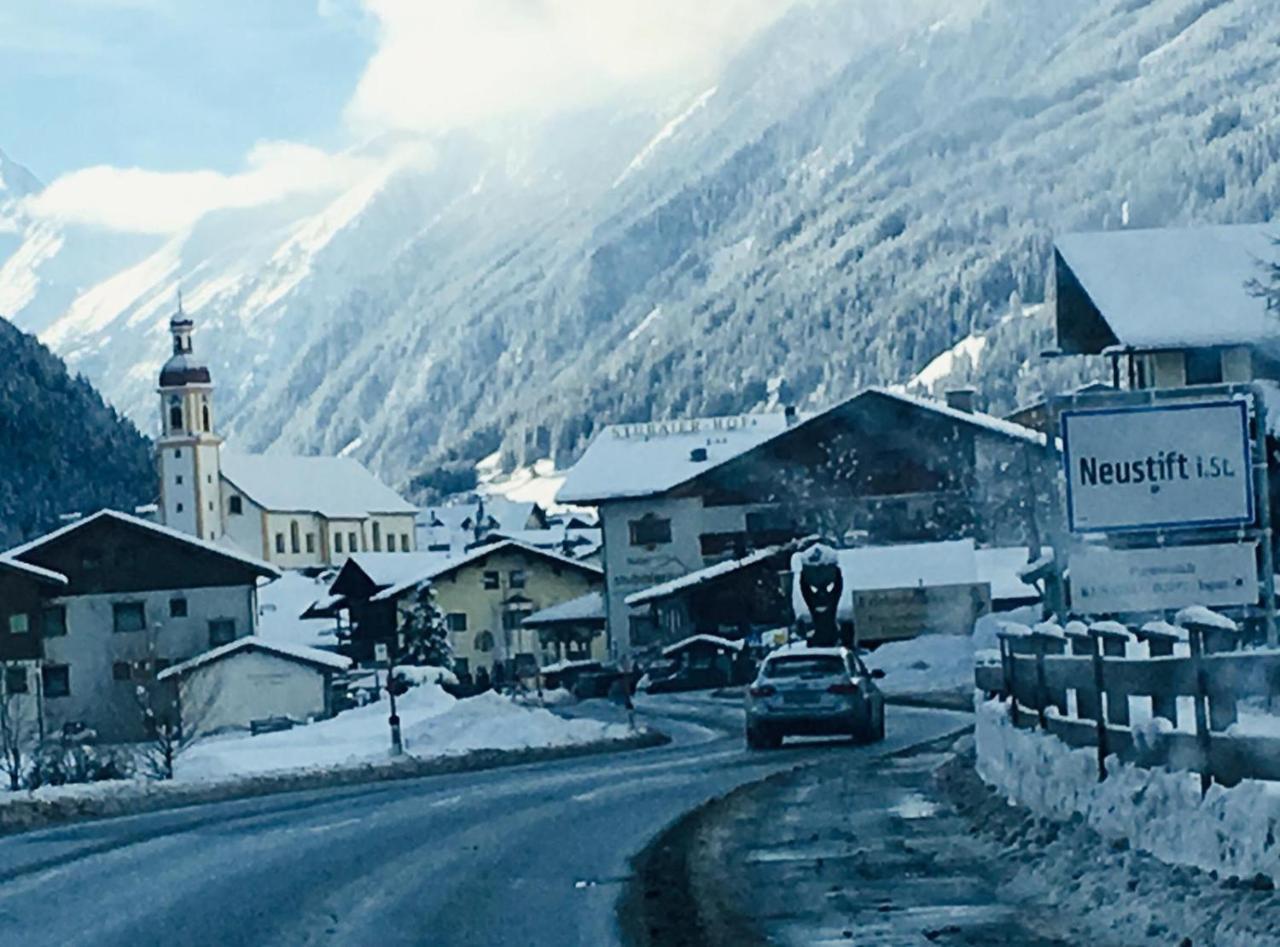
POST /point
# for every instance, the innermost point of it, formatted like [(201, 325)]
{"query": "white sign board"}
[(1139, 580), (380, 652), (1157, 467)]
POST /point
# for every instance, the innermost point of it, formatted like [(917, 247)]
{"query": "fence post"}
[(1088, 703), (1160, 645), (1099, 686), (1222, 710), (1202, 723), (1113, 640)]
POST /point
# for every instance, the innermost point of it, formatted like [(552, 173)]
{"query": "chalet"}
[(881, 467), (1169, 307), (571, 631), (485, 595), (120, 598), (295, 512)]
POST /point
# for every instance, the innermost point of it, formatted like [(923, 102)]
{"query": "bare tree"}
[(174, 713)]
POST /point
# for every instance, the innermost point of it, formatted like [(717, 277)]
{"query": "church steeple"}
[(188, 449)]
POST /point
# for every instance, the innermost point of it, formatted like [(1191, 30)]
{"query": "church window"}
[(235, 505), (177, 507), (351, 542), (404, 542), (178, 479), (175, 414), (337, 542), (204, 412), (177, 452), (377, 537), (280, 542), (210, 506), (295, 537), (311, 542)]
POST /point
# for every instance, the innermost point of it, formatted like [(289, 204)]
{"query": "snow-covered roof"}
[(715, 640), (908, 565), (225, 550), (281, 605), (336, 487), (444, 563), (589, 607), (1176, 287), (637, 460), (34, 572), (700, 576), (294, 652)]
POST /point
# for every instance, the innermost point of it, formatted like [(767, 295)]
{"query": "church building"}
[(294, 512)]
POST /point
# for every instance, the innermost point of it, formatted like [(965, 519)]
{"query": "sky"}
[(141, 115)]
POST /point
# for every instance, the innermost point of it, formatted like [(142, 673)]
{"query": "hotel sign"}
[(895, 614), (1174, 466), (1138, 580), (652, 429)]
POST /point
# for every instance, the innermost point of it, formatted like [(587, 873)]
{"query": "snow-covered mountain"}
[(861, 189)]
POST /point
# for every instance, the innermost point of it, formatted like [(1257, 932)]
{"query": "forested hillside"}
[(866, 185), (62, 449)]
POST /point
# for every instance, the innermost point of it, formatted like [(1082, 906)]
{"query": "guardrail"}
[(1076, 684)]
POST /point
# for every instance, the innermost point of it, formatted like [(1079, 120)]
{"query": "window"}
[(221, 631), (491, 580), (404, 542), (15, 680), (337, 542), (1204, 366), (177, 608), (56, 679), (352, 545), (484, 641), (161, 664), (177, 452), (177, 507), (122, 671), (128, 616), (462, 667), (280, 543), (295, 537), (377, 537), (517, 578), (650, 530), (512, 618), (456, 621), (204, 412), (178, 479), (19, 624), (53, 621), (311, 543), (235, 506), (175, 414)]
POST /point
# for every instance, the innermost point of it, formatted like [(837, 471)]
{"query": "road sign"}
[(893, 614), (1172, 466), (1138, 580), (380, 652)]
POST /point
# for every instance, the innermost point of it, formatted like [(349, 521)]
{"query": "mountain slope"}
[(859, 191), (63, 449)]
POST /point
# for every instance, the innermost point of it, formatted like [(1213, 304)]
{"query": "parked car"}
[(804, 691)]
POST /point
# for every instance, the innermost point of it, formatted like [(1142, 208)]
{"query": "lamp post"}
[(388, 655)]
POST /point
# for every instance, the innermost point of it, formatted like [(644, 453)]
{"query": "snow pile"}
[(941, 662), (1233, 831), (432, 724)]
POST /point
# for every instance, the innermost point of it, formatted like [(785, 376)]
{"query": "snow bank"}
[(1233, 831), (432, 723)]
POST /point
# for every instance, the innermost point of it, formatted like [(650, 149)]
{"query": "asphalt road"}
[(530, 855)]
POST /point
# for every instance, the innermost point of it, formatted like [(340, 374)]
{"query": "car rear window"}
[(804, 666)]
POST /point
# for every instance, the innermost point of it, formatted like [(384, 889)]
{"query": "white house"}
[(295, 512), (254, 678)]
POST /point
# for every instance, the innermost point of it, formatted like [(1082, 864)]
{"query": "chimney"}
[(962, 399), (698, 455), (789, 412)]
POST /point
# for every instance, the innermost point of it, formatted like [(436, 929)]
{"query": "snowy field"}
[(935, 663)]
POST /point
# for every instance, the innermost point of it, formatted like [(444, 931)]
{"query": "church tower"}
[(187, 450)]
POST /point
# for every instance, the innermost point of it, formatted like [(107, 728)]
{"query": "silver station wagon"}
[(804, 691)]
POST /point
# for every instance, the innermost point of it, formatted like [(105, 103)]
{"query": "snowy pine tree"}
[(425, 633)]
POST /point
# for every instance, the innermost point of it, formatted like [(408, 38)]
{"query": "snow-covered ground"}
[(432, 724), (1232, 831)]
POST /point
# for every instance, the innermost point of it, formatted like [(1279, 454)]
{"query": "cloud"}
[(460, 63), (135, 200)]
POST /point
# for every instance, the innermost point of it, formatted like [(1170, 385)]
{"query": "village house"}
[(881, 467), (295, 512), (118, 600), (484, 594), (253, 679), (1170, 307), (571, 631)]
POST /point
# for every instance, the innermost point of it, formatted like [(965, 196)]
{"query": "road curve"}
[(529, 855)]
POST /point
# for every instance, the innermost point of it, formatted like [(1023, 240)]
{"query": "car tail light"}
[(764, 690), (847, 687)]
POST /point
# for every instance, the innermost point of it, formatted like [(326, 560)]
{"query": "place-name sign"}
[(1158, 467)]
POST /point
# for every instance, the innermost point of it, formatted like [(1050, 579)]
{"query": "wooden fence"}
[(1040, 669)]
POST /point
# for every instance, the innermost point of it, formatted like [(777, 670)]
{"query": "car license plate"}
[(801, 697)]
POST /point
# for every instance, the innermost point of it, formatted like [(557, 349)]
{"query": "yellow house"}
[(484, 593)]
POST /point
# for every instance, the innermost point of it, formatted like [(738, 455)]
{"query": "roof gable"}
[(300, 654), (1163, 288), (427, 572)]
